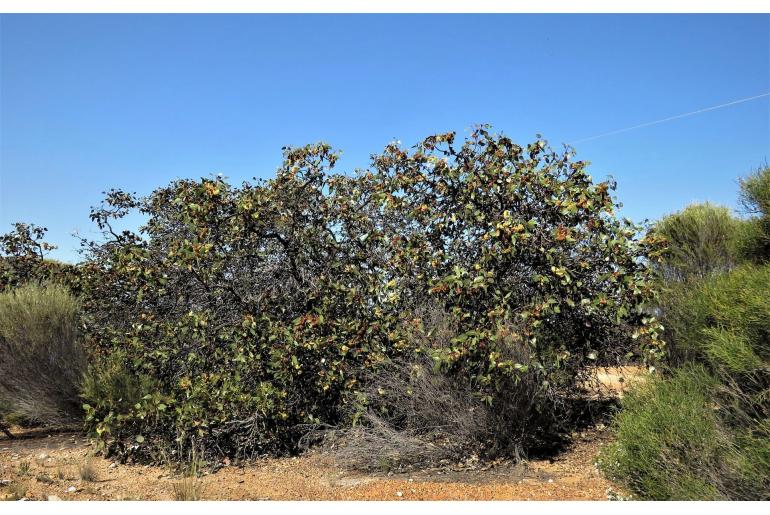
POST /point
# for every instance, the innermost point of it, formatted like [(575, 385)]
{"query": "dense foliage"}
[(703, 239), (241, 317), (703, 432)]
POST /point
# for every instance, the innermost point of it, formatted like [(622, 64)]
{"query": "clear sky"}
[(93, 102)]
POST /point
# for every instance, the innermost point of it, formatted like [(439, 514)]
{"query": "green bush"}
[(676, 440), (260, 312), (702, 239), (726, 311), (703, 433), (755, 198), (755, 191), (108, 381), (41, 355), (668, 444)]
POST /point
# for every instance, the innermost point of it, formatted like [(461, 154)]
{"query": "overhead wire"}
[(670, 118)]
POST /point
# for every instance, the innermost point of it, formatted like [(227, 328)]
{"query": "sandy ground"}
[(41, 466)]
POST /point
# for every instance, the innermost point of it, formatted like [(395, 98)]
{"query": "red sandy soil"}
[(40, 466)]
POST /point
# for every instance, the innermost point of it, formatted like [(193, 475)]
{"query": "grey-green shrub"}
[(701, 239), (41, 356)]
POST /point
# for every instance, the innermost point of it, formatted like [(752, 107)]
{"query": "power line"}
[(676, 117)]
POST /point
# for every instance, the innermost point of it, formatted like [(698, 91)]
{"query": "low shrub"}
[(108, 382), (703, 432), (676, 440), (41, 354), (668, 443)]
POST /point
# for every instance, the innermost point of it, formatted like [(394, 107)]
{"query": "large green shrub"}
[(701, 240), (502, 235), (523, 254), (41, 354), (240, 318), (252, 309)]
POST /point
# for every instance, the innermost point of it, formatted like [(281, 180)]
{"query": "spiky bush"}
[(668, 444), (703, 430), (677, 440), (725, 320)]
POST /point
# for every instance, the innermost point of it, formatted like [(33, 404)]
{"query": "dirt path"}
[(38, 465)]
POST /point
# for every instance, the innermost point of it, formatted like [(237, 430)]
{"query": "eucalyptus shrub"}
[(252, 309), (242, 317), (519, 238)]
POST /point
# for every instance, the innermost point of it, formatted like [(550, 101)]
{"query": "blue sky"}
[(93, 102)]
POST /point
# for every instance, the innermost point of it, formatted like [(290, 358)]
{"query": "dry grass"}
[(24, 468), (41, 357), (416, 416), (18, 490), (187, 489), (44, 478), (87, 471)]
